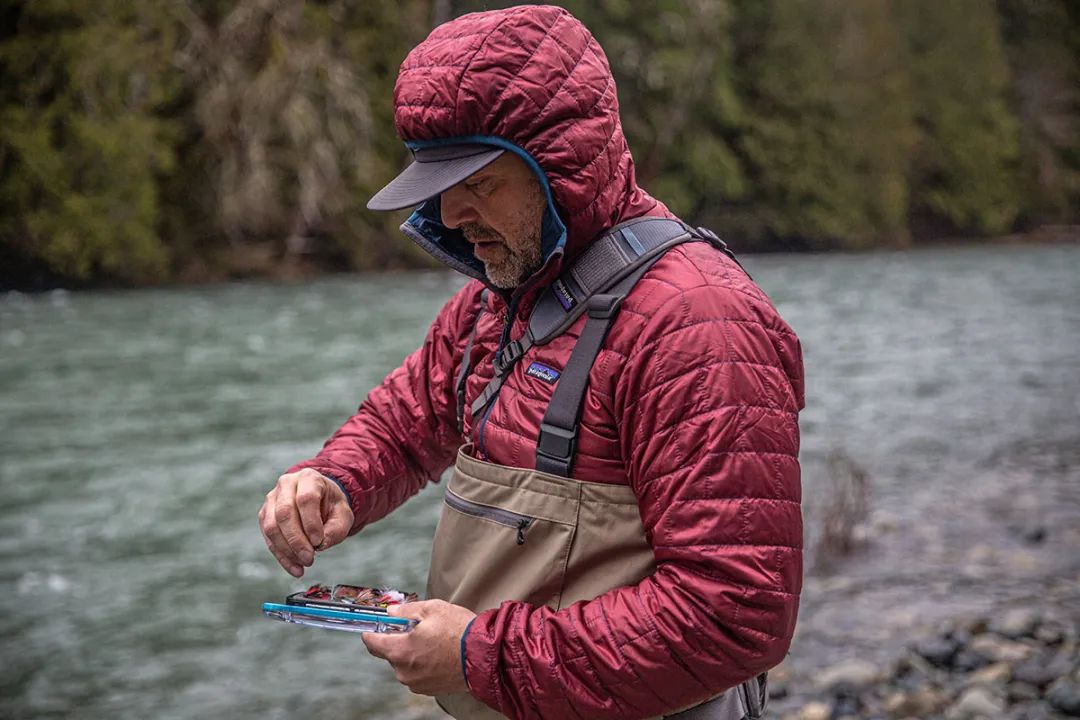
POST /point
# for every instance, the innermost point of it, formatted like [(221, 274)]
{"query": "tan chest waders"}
[(541, 536)]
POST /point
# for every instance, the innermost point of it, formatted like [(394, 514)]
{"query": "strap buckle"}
[(557, 444), (604, 306), (506, 357)]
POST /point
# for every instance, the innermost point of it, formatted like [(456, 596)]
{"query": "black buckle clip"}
[(506, 357), (603, 307), (716, 241), (556, 443)]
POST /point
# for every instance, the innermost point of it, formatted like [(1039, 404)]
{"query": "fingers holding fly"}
[(290, 525), (310, 492), (275, 541), (338, 521)]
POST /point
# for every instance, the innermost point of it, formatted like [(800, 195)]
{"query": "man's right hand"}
[(304, 512)]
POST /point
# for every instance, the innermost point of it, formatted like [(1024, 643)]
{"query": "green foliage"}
[(828, 122), (292, 104), (966, 162), (143, 141), (1042, 40), (676, 89), (82, 139)]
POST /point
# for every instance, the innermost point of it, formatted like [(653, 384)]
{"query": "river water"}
[(139, 431)]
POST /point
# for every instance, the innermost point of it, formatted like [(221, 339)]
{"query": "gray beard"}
[(518, 265), (516, 268)]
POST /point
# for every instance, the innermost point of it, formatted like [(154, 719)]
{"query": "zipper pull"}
[(522, 524)]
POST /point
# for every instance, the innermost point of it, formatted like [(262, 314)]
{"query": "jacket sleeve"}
[(707, 417), (405, 432)]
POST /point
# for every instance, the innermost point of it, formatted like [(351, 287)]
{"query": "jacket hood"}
[(534, 81)]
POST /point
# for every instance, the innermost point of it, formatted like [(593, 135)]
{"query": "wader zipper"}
[(503, 517)]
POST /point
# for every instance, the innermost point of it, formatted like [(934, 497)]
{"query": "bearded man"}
[(621, 536)]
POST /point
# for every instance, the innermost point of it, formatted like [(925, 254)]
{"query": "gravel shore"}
[(1019, 663)]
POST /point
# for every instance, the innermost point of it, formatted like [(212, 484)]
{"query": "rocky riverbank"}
[(1020, 664)]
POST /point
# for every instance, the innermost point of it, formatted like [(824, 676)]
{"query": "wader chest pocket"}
[(496, 543), (520, 523)]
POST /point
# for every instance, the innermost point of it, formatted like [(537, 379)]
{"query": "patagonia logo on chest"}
[(543, 372), (563, 294)]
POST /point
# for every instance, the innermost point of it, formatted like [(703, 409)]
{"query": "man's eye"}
[(483, 187)]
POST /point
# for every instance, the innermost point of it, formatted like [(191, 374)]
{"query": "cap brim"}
[(423, 180)]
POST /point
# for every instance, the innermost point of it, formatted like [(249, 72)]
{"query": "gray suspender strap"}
[(610, 259), (558, 430), (466, 363), (607, 261), (650, 239)]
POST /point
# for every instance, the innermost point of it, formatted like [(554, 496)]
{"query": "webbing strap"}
[(621, 256), (504, 361), (466, 363), (617, 254), (555, 448), (607, 261)]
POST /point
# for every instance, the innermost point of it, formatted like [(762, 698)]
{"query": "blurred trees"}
[(828, 123), (965, 167), (144, 142), (85, 135)]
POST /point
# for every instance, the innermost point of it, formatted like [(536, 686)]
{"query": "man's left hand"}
[(427, 659)]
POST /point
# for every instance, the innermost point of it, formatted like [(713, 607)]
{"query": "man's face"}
[(499, 210)]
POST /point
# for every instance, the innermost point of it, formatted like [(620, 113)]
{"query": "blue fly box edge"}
[(337, 619)]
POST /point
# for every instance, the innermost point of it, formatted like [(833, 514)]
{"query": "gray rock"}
[(998, 649), (849, 676), (847, 706), (1016, 623), (910, 672), (1042, 670), (897, 704), (1050, 632), (939, 652), (1064, 696), (815, 711), (1032, 711), (1031, 532), (975, 625), (1019, 692), (976, 702), (991, 675), (968, 661), (924, 702)]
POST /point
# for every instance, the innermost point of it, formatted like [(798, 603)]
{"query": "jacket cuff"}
[(479, 657), (341, 484), (464, 666)]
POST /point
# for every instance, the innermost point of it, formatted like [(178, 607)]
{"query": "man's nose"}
[(456, 207)]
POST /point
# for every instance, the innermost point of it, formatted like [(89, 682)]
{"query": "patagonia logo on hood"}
[(543, 372)]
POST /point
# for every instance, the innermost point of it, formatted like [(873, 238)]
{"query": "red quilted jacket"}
[(693, 401)]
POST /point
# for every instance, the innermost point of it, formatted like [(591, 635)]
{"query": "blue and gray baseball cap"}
[(433, 170)]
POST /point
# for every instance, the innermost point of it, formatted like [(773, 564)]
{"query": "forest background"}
[(144, 142)]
